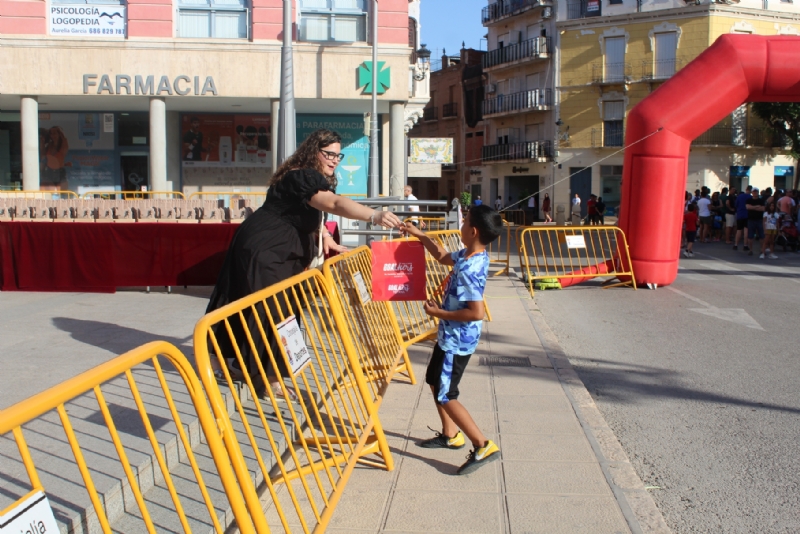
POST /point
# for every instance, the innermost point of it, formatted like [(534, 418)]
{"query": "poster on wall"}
[(221, 150), (352, 171), (75, 151), (81, 20), (431, 150)]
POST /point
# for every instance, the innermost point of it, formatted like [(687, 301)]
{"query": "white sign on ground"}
[(576, 241), (294, 344), (361, 286), (32, 515)]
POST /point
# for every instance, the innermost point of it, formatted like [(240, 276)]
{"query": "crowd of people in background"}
[(771, 217)]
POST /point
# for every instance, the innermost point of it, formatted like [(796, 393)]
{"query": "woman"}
[(546, 208), (717, 213), (279, 241)]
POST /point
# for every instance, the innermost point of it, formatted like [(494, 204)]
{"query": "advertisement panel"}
[(105, 22), (353, 170), (593, 8), (226, 150), (75, 150), (431, 150)]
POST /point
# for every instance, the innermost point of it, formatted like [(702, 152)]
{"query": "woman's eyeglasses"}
[(332, 156)]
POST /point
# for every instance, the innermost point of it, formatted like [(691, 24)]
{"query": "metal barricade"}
[(152, 473), (515, 217), (43, 194), (253, 199), (499, 250), (377, 336), (429, 224), (301, 450), (568, 253), (133, 195)]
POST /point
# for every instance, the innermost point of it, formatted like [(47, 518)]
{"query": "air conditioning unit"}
[(491, 88), (547, 12)]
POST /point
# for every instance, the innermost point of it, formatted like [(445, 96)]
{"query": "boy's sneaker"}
[(685, 253), (443, 442), (691, 254), (772, 257), (480, 456), (761, 257)]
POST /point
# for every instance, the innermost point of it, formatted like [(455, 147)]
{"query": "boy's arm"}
[(473, 312), (437, 251)]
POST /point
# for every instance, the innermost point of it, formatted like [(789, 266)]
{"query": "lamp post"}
[(424, 58), (287, 133)]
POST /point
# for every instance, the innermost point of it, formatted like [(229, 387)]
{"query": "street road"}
[(700, 381)]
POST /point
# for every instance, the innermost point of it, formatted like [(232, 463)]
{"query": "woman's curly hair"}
[(306, 156)]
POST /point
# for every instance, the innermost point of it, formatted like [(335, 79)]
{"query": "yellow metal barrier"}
[(429, 224), (569, 253), (133, 195), (256, 198), (499, 250), (302, 450), (378, 340), (516, 217), (43, 194), (132, 396)]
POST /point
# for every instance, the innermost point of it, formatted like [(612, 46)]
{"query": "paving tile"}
[(359, 509), (547, 448), (565, 514), (528, 423), (536, 404), (526, 381), (555, 478), (431, 511), (436, 468)]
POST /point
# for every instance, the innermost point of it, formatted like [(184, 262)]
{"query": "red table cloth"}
[(100, 257)]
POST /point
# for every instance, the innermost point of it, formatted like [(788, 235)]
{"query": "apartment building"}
[(519, 101), (614, 53), (454, 112), (125, 94)]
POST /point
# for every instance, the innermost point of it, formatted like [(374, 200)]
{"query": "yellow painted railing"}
[(137, 384), (429, 224), (302, 450), (575, 252), (133, 195), (377, 337)]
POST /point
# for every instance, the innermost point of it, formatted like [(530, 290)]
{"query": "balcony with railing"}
[(534, 100), (611, 73), (450, 111), (501, 9), (738, 136), (608, 136), (661, 69), (579, 9), (430, 114), (532, 49), (540, 151)]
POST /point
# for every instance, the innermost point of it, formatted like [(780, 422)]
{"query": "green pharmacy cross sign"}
[(365, 77)]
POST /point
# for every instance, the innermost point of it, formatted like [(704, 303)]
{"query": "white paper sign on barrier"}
[(576, 241), (32, 515), (293, 343), (361, 286)]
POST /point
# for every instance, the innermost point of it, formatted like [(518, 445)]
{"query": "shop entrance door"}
[(135, 171)]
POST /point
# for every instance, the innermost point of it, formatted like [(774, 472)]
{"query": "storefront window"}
[(611, 180), (221, 19), (333, 20), (134, 129)]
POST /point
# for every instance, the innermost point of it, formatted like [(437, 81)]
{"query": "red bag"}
[(398, 270)]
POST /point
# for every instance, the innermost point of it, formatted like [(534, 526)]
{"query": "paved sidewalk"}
[(561, 468)]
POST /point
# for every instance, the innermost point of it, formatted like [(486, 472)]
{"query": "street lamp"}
[(424, 57)]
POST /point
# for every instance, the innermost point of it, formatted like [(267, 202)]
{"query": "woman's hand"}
[(330, 245), (387, 219)]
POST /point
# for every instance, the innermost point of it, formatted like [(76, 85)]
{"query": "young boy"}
[(690, 221), (460, 320)]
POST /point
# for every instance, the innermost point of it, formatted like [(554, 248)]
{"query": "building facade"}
[(613, 54), (454, 112), (180, 95), (519, 102)]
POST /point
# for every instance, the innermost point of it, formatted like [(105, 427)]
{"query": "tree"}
[(783, 119)]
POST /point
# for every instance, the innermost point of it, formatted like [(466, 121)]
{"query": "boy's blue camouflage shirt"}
[(466, 284)]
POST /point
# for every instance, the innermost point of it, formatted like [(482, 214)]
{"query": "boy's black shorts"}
[(437, 377)]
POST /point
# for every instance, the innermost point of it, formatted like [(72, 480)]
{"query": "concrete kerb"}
[(636, 504)]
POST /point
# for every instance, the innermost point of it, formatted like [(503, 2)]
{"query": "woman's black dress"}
[(272, 245)]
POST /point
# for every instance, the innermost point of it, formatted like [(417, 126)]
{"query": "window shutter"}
[(613, 110)]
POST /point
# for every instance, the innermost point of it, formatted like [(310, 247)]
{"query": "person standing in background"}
[(409, 194), (498, 203), (546, 208), (576, 210)]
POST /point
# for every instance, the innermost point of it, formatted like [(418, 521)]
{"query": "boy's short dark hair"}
[(692, 207), (487, 221)]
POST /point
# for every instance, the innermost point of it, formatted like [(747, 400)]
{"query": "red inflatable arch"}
[(734, 70)]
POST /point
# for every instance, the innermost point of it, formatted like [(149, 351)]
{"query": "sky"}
[(445, 23)]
